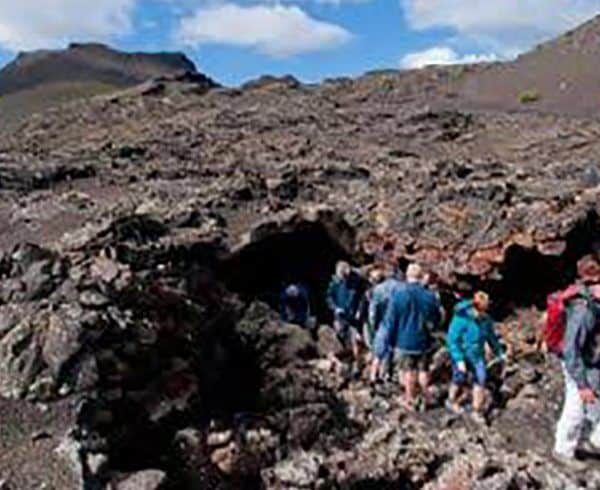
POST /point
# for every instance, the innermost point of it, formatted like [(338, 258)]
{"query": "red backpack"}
[(553, 329)]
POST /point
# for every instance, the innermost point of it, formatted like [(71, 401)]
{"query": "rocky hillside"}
[(88, 63), (559, 76), (144, 237), (37, 80)]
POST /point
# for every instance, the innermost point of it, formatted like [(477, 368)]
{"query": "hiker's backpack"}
[(553, 329)]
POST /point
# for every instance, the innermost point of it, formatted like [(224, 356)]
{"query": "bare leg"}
[(375, 366), (410, 388), (479, 396), (454, 397), (356, 350), (424, 380)]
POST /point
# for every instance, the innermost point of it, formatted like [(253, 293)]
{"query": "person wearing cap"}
[(295, 305), (405, 328), (581, 368), (470, 330)]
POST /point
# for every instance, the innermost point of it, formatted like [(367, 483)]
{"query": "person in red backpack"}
[(581, 367)]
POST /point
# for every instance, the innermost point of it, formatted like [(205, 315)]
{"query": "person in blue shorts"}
[(470, 330)]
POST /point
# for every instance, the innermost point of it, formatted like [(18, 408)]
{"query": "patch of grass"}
[(386, 84), (529, 96)]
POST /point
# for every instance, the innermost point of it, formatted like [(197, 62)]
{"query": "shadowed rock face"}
[(145, 235)]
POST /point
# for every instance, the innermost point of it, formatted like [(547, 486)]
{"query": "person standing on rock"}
[(343, 297), (376, 276), (581, 369), (380, 299), (411, 310), (470, 330)]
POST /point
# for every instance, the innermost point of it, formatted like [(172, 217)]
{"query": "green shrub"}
[(529, 96)]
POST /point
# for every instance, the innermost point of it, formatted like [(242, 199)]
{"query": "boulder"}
[(142, 480)]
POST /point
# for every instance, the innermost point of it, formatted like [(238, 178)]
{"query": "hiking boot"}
[(570, 462), (454, 409), (590, 447)]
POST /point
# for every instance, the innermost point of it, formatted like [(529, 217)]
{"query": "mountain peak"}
[(88, 63)]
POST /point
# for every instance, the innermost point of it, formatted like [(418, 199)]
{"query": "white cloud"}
[(32, 24), (442, 55), (507, 25), (275, 30)]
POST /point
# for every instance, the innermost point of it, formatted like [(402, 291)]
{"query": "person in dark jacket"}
[(295, 305), (581, 369), (343, 297), (470, 330), (411, 313)]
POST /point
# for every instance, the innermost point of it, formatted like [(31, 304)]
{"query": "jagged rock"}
[(38, 280), (20, 358), (62, 340), (93, 299), (143, 480), (300, 471), (72, 451)]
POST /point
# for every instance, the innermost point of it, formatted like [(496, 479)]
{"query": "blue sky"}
[(237, 40)]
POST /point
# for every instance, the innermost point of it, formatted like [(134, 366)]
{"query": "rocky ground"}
[(145, 234)]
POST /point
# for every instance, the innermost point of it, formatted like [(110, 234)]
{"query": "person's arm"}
[(331, 296), (576, 338), (372, 314), (493, 340), (454, 339), (389, 319)]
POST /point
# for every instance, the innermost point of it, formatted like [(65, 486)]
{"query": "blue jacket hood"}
[(463, 308)]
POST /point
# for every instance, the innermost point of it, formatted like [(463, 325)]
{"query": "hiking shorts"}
[(477, 371), (415, 362), (368, 333)]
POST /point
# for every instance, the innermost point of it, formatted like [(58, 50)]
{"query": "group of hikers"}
[(395, 317)]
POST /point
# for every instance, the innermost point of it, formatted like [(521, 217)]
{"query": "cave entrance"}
[(528, 276), (306, 254)]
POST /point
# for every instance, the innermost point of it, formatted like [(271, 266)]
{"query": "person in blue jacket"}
[(380, 299), (411, 313), (470, 330), (295, 305), (343, 298)]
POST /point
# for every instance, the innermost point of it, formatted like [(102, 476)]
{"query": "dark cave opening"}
[(307, 254), (529, 276)]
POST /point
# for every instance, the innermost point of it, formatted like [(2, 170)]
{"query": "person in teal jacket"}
[(470, 330)]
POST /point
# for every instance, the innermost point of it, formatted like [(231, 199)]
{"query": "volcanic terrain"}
[(145, 235)]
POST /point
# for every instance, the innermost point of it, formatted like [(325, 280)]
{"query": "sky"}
[(234, 41)]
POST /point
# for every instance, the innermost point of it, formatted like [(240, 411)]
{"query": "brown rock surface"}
[(145, 235)]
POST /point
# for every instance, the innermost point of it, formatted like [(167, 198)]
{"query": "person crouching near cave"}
[(295, 306), (343, 297), (412, 309), (471, 328)]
